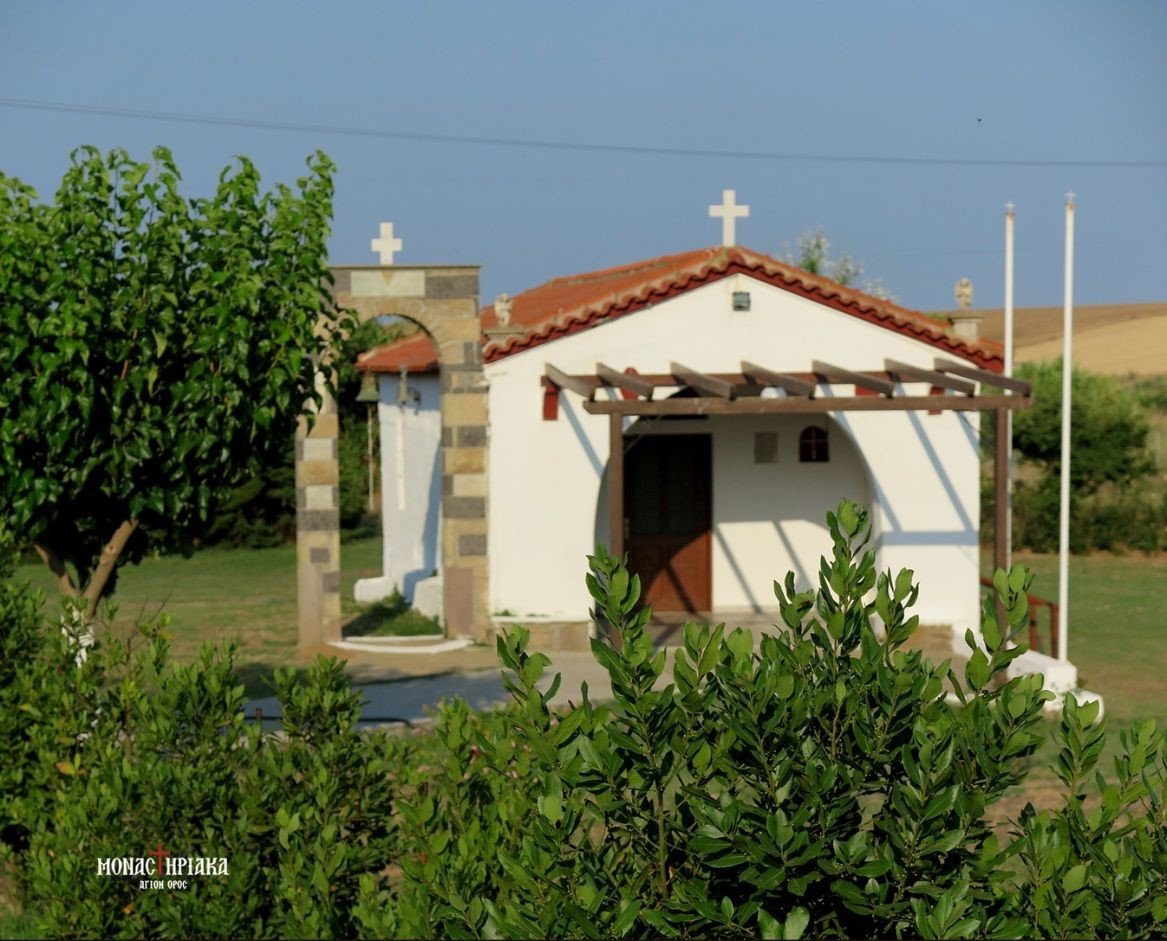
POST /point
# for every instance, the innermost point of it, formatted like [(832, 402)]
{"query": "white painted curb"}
[(402, 645)]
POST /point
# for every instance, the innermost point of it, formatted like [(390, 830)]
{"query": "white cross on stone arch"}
[(386, 245), (728, 212)]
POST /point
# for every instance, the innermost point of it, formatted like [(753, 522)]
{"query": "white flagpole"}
[(1008, 534), (1067, 372)]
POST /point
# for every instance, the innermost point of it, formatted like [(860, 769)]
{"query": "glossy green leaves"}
[(157, 348)]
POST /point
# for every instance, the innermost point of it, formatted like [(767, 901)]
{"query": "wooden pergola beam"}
[(622, 380), (984, 376), (917, 374), (725, 386), (757, 405), (702, 382), (789, 384), (834, 373), (573, 383)]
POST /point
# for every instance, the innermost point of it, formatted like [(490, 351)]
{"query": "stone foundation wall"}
[(549, 636)]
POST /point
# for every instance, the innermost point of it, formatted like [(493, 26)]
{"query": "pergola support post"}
[(1001, 507), (616, 485), (1001, 492)]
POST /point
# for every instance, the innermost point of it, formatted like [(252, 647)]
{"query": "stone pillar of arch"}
[(444, 301)]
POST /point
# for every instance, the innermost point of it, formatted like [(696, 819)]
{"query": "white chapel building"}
[(745, 397)]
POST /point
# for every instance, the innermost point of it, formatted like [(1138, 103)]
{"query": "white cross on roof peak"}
[(728, 212), (386, 245)]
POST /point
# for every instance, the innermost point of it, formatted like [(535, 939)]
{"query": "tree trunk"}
[(57, 567), (106, 565)]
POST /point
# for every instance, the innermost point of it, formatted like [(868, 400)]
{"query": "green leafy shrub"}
[(48, 697), (21, 642), (820, 780), (352, 455), (824, 780), (392, 617), (1108, 428), (1115, 518), (1035, 515), (1151, 392), (1103, 872), (1130, 518), (1116, 502), (260, 513), (112, 757)]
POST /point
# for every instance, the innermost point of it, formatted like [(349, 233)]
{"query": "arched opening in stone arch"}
[(443, 301), (405, 374)]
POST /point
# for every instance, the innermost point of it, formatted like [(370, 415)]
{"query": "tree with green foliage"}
[(157, 351), (1108, 446), (812, 253), (1108, 428), (261, 512)]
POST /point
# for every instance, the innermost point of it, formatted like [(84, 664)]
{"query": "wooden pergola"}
[(952, 386)]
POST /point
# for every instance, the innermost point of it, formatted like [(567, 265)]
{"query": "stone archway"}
[(444, 300)]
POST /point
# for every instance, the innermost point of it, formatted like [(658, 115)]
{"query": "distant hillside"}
[(1108, 338)]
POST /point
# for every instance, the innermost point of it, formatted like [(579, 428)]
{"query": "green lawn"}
[(1118, 611), (243, 595), (1118, 641), (1117, 625)]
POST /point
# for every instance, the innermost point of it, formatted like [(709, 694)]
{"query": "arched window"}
[(813, 447)]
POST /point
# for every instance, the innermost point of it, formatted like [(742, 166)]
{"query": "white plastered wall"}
[(410, 487), (548, 493), (770, 519)]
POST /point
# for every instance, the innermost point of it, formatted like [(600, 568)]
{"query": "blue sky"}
[(987, 82)]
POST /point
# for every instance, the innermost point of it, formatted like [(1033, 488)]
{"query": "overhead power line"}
[(534, 144)]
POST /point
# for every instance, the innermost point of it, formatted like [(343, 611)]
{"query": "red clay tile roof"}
[(416, 352), (566, 305)]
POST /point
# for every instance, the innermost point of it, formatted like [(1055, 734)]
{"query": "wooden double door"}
[(668, 520)]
